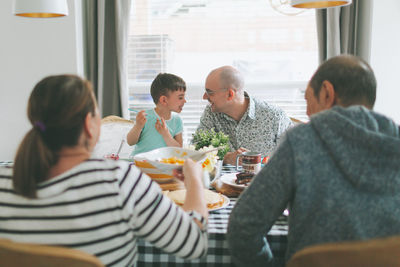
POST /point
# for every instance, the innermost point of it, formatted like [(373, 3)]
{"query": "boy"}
[(159, 127)]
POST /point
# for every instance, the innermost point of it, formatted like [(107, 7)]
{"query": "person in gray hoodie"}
[(339, 174)]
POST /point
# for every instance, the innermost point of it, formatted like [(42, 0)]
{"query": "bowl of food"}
[(159, 163)]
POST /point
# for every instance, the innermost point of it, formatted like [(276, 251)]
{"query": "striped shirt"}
[(101, 207)]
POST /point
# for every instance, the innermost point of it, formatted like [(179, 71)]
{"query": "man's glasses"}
[(211, 92)]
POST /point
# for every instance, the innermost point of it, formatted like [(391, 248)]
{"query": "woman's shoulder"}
[(104, 175), (118, 167), (96, 170)]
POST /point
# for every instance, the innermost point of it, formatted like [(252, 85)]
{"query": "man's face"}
[(176, 100), (313, 102), (215, 95)]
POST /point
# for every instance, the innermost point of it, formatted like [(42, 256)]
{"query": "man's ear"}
[(231, 94), (327, 95)]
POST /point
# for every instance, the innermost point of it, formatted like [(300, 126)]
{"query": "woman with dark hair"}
[(57, 194)]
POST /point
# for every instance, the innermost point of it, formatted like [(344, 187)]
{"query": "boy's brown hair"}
[(165, 83)]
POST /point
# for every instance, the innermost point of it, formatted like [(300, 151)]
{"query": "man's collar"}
[(251, 109)]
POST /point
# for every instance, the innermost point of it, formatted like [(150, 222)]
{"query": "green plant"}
[(203, 138)]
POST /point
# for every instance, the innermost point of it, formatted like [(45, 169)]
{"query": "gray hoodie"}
[(340, 177)]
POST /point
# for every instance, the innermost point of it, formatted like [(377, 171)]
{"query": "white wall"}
[(385, 56), (30, 49)]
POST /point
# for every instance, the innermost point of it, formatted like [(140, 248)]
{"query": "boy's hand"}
[(141, 118), (161, 127)]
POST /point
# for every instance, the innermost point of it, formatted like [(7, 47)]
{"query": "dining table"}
[(218, 250)]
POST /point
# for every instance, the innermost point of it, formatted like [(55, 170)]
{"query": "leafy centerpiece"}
[(204, 140)]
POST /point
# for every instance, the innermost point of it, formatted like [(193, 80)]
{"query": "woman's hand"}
[(188, 172), (191, 174)]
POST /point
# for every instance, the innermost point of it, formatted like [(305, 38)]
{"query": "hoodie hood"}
[(364, 145)]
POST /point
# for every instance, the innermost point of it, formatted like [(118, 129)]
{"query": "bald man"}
[(252, 124)]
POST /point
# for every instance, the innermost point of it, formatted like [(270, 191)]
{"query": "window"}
[(276, 53)]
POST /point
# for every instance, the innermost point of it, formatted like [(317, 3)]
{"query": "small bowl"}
[(150, 162)]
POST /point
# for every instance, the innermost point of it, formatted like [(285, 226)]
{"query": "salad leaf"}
[(204, 138)]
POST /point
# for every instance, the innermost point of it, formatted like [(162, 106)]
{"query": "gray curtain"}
[(105, 24), (345, 30)]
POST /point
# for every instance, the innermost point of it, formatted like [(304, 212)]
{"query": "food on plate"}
[(173, 160), (244, 178), (213, 200)]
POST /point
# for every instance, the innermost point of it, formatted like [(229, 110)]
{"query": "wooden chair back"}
[(113, 131), (369, 253), (16, 254), (296, 121)]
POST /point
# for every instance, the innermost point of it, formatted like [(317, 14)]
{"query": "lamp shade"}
[(319, 4), (40, 8)]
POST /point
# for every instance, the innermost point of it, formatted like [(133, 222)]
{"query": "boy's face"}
[(176, 100)]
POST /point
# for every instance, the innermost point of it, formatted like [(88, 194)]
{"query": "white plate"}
[(224, 205), (230, 179)]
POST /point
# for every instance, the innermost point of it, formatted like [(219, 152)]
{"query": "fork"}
[(120, 147), (203, 153)]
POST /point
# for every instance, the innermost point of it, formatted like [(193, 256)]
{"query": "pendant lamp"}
[(40, 8), (319, 4)]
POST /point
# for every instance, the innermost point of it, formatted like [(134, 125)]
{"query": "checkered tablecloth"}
[(218, 251)]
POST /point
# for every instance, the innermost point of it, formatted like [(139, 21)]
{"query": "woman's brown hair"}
[(57, 108)]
